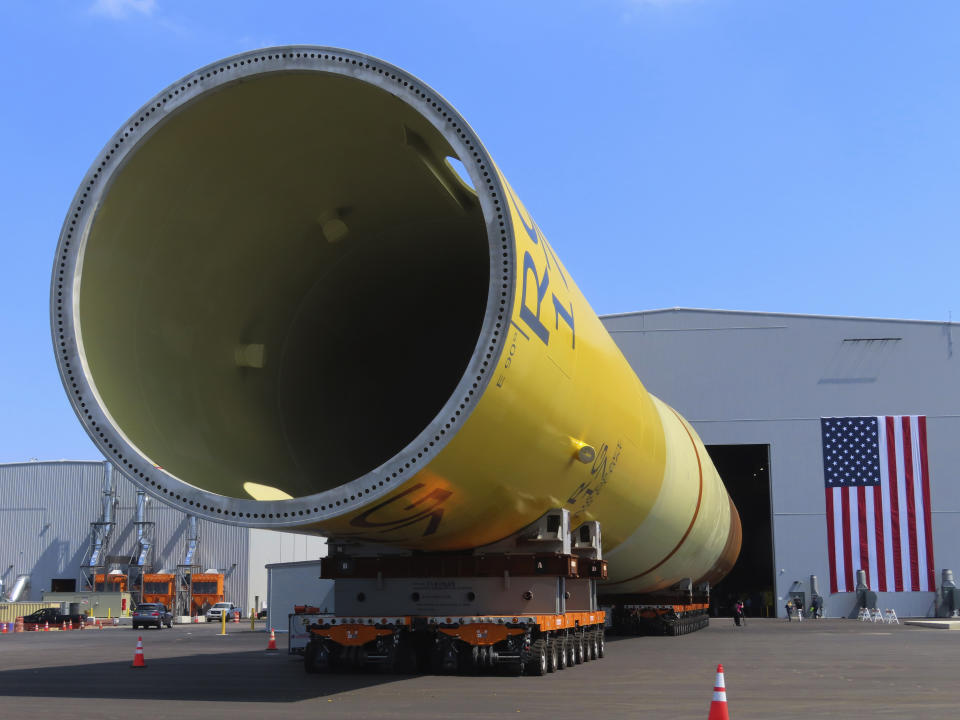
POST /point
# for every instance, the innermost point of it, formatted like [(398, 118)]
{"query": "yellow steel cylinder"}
[(276, 303)]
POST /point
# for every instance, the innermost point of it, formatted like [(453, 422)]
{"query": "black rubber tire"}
[(561, 653), (600, 643), (437, 662), (551, 656), (537, 663), (466, 660), (309, 658)]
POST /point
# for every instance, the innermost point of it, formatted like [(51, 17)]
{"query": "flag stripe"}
[(904, 509), (894, 506), (869, 529), (880, 535), (911, 505), (838, 531), (925, 476), (919, 537), (889, 560), (847, 546), (831, 540), (862, 527)]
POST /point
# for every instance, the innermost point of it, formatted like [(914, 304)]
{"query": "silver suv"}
[(223, 608)]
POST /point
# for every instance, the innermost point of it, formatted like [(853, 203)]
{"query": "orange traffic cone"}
[(236, 618), (718, 706), (99, 624), (138, 654), (46, 626), (272, 645)]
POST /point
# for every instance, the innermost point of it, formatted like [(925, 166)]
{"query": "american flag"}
[(877, 485)]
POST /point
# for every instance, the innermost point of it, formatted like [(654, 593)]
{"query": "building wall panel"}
[(767, 378)]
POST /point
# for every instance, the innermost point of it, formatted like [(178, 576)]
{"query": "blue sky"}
[(785, 156)]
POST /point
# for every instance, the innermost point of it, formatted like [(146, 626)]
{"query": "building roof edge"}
[(759, 313)]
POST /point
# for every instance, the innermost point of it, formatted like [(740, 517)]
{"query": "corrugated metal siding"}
[(45, 513)]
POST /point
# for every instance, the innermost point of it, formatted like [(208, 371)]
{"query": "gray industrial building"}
[(52, 515), (756, 385)]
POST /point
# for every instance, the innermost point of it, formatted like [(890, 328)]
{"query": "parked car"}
[(53, 616), (223, 608), (152, 614)]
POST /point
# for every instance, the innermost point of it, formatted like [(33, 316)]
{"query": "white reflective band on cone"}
[(719, 695)]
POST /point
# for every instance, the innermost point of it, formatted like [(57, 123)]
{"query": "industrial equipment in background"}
[(160, 588), (346, 323)]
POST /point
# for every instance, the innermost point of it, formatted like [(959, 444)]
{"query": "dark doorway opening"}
[(63, 585), (745, 470)]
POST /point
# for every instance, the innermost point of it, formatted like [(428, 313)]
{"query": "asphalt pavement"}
[(774, 669)]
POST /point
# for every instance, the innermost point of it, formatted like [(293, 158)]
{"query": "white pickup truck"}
[(217, 611)]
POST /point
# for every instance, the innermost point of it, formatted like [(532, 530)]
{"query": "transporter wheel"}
[(600, 643), (537, 663), (316, 659), (561, 649), (406, 662), (585, 642), (592, 645), (577, 643), (551, 656), (466, 659), (570, 645), (438, 662)]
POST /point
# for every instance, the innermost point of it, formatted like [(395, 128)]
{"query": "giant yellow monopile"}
[(295, 291)]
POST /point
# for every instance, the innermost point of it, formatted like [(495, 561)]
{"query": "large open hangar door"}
[(745, 470)]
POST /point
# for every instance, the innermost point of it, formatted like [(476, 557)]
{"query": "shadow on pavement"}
[(249, 676)]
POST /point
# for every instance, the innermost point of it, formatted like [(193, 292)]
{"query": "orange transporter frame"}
[(523, 644)]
